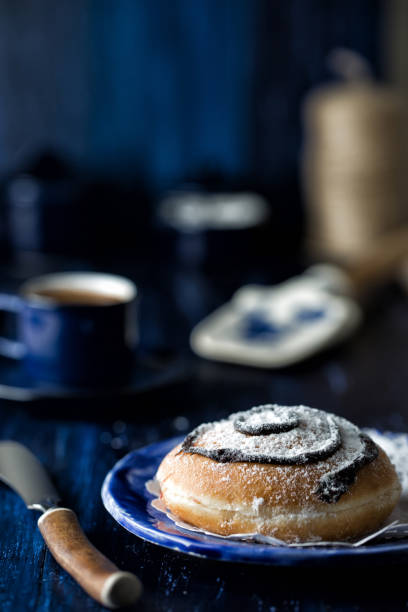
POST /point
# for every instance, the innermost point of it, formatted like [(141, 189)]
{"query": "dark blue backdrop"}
[(164, 88)]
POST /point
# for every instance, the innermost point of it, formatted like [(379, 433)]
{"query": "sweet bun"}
[(295, 473)]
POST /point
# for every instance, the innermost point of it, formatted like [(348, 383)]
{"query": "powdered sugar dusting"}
[(318, 435), (256, 504), (396, 447), (266, 419)]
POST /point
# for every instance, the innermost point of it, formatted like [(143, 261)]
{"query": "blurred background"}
[(110, 104), (197, 145), (156, 91)]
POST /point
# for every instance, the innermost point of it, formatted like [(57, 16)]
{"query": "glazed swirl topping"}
[(288, 435)]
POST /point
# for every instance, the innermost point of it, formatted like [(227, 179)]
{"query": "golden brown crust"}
[(275, 500)]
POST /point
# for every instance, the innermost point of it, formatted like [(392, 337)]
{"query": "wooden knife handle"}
[(98, 576)]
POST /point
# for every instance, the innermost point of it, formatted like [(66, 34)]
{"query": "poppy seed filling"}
[(287, 435)]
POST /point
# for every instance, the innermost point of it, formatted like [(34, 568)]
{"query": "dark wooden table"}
[(364, 380)]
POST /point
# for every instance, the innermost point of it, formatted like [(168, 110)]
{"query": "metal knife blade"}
[(22, 471), (62, 533)]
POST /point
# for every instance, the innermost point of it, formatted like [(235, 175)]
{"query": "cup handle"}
[(11, 348)]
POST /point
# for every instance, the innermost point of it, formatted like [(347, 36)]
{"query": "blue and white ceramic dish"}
[(278, 325), (126, 498)]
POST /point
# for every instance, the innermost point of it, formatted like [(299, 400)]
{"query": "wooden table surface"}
[(79, 441)]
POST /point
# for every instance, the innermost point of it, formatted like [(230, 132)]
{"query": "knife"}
[(60, 528)]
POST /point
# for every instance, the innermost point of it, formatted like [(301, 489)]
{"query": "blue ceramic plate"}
[(125, 497)]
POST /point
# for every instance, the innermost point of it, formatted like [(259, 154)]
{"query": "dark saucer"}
[(150, 371)]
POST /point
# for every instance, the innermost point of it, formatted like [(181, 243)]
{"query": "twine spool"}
[(353, 166)]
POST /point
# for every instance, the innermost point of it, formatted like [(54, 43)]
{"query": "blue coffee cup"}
[(74, 328)]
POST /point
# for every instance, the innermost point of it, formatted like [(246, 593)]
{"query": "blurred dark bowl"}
[(50, 208), (225, 226)]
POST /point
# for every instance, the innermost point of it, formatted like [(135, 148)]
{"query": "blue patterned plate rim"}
[(126, 498)]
